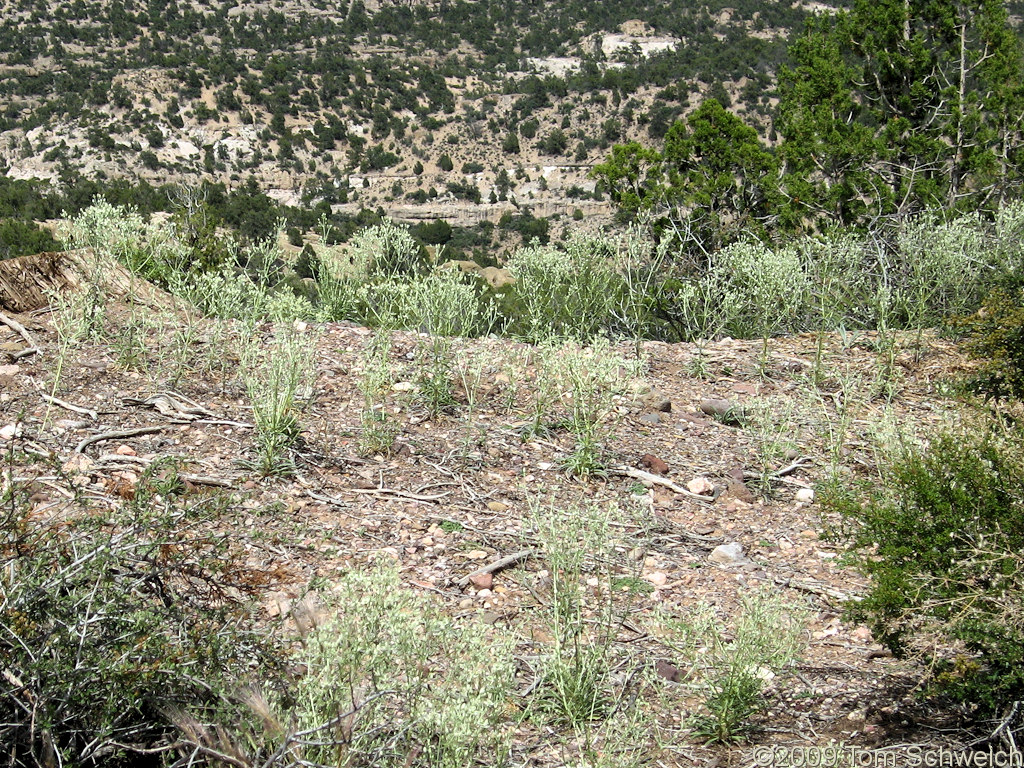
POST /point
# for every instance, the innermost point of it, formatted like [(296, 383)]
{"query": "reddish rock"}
[(482, 580), (653, 463)]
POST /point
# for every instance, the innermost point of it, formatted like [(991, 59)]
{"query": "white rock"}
[(700, 485), (403, 386), (9, 370), (10, 431), (658, 578), (727, 554), (805, 495)]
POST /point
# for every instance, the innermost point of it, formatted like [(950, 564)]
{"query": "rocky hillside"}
[(465, 111)]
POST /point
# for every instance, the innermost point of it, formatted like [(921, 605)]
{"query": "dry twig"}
[(115, 435), (497, 565), (14, 325)]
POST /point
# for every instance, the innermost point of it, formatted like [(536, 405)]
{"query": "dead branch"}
[(650, 477), (800, 463), (497, 565), (400, 494), (69, 407), (115, 436), (18, 328)]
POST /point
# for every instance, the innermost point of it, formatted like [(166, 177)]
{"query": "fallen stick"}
[(816, 589), (401, 494), (17, 327), (68, 406), (800, 463), (203, 480), (115, 435), (194, 479), (650, 477), (497, 565)]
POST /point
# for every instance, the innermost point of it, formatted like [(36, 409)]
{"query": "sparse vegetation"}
[(820, 217)]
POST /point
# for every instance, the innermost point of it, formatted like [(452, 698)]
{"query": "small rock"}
[(484, 593), (653, 463), (727, 554), (725, 411), (657, 400), (403, 386), (651, 418), (701, 485), (497, 506), (668, 671), (466, 604), (545, 466), (482, 581), (658, 578), (125, 450), (805, 495), (861, 634), (77, 463), (9, 370), (10, 431), (476, 554)]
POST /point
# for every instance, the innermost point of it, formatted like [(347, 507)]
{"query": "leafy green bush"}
[(772, 292), (444, 302), (20, 238), (106, 620), (997, 339), (942, 542), (385, 250)]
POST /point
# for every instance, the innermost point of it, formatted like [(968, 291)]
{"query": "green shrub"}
[(940, 268), (384, 250), (21, 238), (942, 542), (769, 288), (444, 302), (390, 680), (997, 339), (570, 292), (106, 620)]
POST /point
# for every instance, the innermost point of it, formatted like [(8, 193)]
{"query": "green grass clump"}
[(278, 374), (390, 680), (732, 663)]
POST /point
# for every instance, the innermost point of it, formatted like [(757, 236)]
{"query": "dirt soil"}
[(442, 504)]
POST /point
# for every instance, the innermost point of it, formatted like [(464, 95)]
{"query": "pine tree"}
[(899, 105)]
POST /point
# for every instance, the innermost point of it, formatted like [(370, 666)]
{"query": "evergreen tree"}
[(898, 105)]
